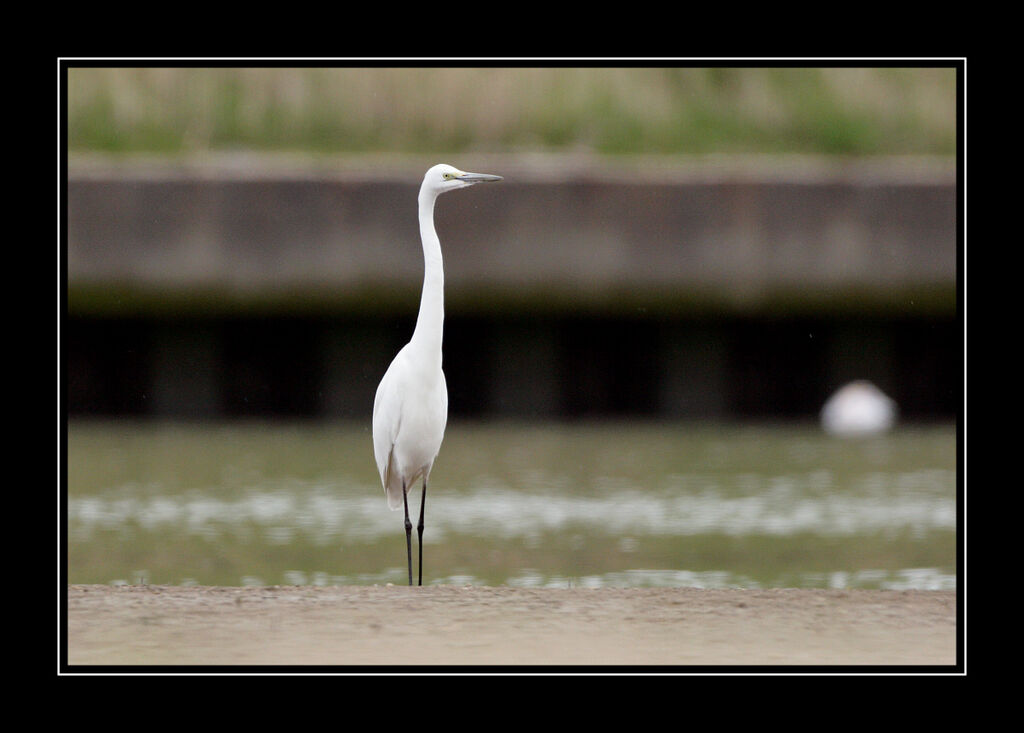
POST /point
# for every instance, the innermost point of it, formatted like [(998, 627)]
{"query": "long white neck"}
[(430, 322)]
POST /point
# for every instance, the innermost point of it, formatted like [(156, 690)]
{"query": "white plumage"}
[(410, 410), (409, 417)]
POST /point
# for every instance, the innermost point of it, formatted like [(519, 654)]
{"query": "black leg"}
[(408, 531), (419, 527)]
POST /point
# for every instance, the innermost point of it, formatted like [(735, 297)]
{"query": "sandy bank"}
[(451, 625)]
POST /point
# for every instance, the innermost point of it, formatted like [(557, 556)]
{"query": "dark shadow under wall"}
[(517, 367)]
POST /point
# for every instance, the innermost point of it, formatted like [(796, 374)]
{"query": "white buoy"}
[(858, 408)]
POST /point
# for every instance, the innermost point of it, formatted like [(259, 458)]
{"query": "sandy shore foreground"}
[(452, 625)]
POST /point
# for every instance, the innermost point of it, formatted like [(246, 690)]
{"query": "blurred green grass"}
[(631, 110)]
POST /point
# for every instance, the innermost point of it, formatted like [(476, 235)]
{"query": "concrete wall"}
[(702, 292), (675, 236)]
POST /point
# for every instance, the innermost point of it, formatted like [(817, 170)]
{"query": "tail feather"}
[(393, 491), (392, 480), (392, 483)]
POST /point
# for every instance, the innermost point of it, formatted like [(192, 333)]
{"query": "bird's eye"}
[(448, 176)]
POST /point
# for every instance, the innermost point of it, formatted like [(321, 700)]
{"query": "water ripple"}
[(330, 512)]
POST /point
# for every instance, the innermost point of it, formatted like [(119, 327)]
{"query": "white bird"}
[(410, 410), (858, 408)]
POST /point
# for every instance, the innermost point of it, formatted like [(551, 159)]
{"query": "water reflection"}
[(328, 513), (744, 508)]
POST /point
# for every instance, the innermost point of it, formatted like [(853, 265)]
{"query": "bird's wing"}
[(385, 429), (387, 418)]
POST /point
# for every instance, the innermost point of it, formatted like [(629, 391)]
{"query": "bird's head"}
[(443, 177)]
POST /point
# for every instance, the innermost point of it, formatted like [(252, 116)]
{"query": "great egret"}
[(410, 409)]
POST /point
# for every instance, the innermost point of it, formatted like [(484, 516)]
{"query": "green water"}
[(610, 504)]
